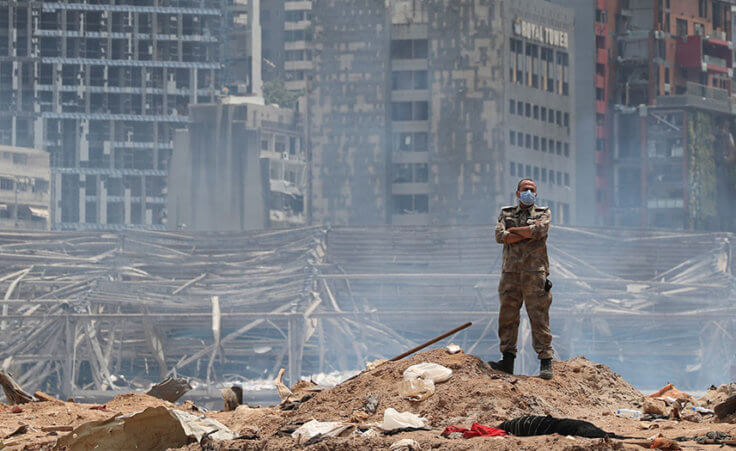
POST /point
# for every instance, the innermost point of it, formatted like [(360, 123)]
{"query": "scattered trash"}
[(452, 348), (293, 402), (405, 444), (155, 428), (393, 420), (369, 433), (437, 373), (669, 390), (101, 408), (22, 429), (41, 396), (664, 443), (538, 425), (375, 364), (57, 428), (317, 429), (703, 410), (370, 404), (476, 430), (629, 413), (416, 389), (709, 438), (170, 389)]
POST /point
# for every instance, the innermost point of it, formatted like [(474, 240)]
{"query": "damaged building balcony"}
[(706, 53), (696, 95)]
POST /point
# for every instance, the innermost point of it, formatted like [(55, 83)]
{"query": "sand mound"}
[(475, 393), (135, 402)]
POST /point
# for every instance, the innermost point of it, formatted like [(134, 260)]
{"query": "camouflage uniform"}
[(524, 273)]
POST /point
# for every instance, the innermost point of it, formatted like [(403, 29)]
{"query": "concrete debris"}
[(155, 428), (365, 411), (654, 406)]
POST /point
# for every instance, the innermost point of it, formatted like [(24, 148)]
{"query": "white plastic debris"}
[(313, 428), (369, 433), (406, 444), (375, 364), (395, 420), (452, 348), (437, 373), (416, 389)]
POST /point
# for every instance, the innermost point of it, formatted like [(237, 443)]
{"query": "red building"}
[(664, 109)]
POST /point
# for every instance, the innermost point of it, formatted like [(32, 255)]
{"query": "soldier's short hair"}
[(518, 185)]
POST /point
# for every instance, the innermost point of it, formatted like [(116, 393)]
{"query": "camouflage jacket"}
[(529, 254)]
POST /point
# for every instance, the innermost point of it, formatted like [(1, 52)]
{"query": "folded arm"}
[(512, 235)]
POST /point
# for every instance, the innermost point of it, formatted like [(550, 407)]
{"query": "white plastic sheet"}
[(313, 428), (433, 371), (416, 389), (405, 444), (400, 420)]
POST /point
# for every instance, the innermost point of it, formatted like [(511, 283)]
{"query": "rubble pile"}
[(462, 405)]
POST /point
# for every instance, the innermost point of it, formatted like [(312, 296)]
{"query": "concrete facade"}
[(410, 109), (103, 86), (25, 196), (672, 162), (587, 192), (239, 166), (287, 42), (540, 104)]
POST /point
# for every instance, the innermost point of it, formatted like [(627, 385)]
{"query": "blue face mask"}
[(527, 197)]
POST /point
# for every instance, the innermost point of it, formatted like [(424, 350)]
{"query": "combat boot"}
[(506, 364), (545, 369)]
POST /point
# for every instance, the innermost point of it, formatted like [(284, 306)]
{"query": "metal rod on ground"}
[(432, 341)]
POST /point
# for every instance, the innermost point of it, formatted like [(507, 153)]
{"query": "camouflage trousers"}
[(514, 289)]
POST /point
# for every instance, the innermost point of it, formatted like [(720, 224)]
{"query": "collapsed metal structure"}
[(91, 314)]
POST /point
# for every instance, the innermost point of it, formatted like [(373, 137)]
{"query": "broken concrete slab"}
[(155, 428)]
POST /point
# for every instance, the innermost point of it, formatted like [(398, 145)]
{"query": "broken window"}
[(410, 203), (420, 79), (409, 48), (401, 49), (681, 25), (421, 111), (401, 111)]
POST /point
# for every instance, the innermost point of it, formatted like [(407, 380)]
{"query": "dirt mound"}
[(45, 421), (475, 393), (135, 402)]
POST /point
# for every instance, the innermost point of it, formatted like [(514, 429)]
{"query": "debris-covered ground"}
[(581, 390)]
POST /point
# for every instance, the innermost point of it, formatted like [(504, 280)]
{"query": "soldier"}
[(522, 229)]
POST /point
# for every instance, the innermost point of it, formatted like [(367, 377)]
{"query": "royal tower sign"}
[(540, 33)]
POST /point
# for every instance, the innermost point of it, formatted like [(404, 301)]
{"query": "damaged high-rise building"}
[(429, 112), (665, 114), (102, 85)]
